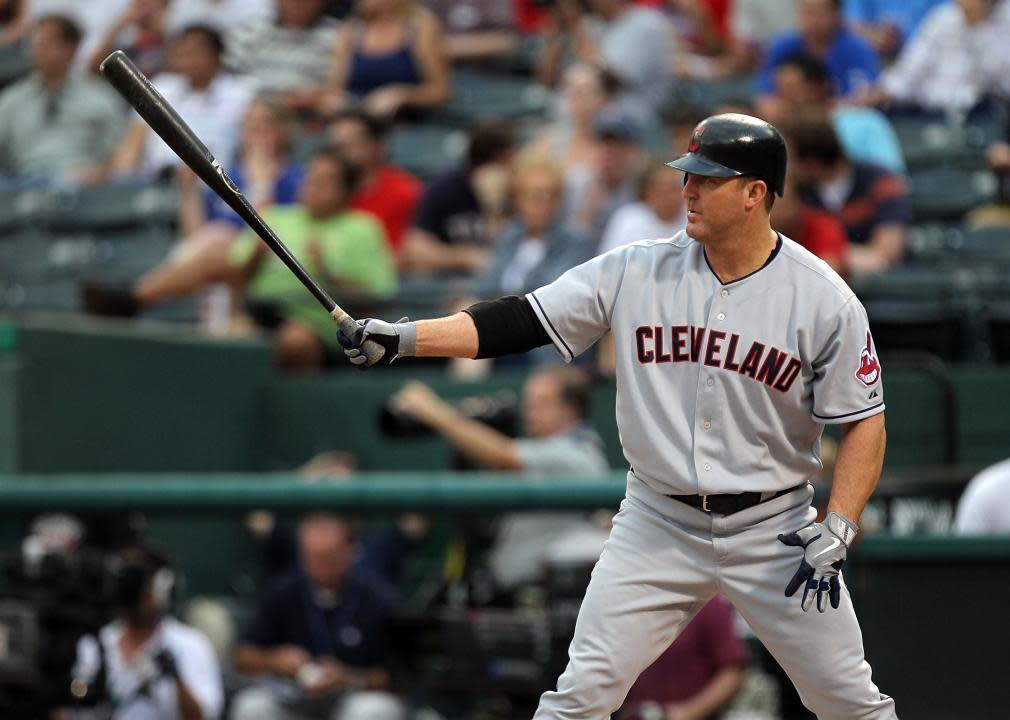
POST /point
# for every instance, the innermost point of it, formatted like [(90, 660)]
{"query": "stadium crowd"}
[(436, 189), (420, 154)]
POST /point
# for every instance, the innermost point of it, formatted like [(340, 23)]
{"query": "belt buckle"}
[(704, 503)]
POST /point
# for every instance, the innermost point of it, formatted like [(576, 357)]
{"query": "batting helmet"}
[(732, 145)]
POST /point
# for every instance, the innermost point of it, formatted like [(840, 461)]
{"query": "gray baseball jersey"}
[(721, 387)]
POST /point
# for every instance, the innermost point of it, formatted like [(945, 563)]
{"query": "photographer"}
[(558, 440), (152, 666)]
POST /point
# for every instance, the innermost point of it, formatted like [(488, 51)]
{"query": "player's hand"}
[(824, 548), (396, 339)]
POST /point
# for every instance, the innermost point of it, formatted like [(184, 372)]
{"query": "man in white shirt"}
[(154, 667), (211, 101), (659, 213)]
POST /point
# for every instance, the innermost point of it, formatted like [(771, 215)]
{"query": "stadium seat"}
[(483, 96), (14, 63), (710, 93), (116, 205), (921, 324), (426, 149), (999, 330), (927, 141), (945, 192)]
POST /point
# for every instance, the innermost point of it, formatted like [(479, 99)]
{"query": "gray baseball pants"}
[(663, 561)]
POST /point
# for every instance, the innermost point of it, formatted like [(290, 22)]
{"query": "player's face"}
[(714, 206)]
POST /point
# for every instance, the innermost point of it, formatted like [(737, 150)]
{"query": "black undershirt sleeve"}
[(505, 326)]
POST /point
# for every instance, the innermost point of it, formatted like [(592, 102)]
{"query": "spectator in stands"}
[(658, 213), (957, 58), (93, 18), (344, 249), (536, 246), (282, 55), (56, 126), (679, 122), (153, 665), (702, 30), (634, 45), (141, 31), (384, 190), (803, 84), (851, 61), (12, 21), (753, 26), (461, 210), (476, 29), (222, 15), (984, 508), (265, 173), (317, 640), (390, 57), (996, 213), (698, 675), (819, 232), (871, 202), (557, 440), (210, 100), (887, 24), (614, 179), (572, 138)]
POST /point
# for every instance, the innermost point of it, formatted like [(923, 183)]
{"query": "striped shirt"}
[(277, 58)]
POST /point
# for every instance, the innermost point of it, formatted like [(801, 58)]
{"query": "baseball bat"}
[(134, 86)]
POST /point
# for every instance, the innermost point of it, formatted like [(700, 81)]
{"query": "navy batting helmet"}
[(732, 145)]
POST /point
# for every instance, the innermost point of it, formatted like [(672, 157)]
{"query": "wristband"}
[(843, 528), (408, 339)]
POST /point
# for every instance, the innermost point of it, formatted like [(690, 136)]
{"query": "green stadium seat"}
[(14, 63), (426, 149), (930, 141), (999, 330), (710, 93)]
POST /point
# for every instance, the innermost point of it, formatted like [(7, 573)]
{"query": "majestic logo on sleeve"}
[(869, 368), (696, 139)]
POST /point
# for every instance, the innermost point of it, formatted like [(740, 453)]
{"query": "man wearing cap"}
[(612, 183), (734, 347)]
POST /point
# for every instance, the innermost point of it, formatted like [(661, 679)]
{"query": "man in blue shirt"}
[(317, 639), (852, 63), (887, 24)]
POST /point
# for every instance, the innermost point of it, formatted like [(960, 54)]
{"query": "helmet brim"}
[(697, 165)]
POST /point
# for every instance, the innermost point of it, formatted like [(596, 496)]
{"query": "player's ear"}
[(757, 191)]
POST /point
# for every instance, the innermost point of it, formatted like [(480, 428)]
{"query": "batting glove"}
[(397, 339), (824, 547)]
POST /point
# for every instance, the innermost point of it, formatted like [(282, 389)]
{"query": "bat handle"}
[(348, 326)]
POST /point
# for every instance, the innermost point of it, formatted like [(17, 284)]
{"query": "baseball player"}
[(735, 346)]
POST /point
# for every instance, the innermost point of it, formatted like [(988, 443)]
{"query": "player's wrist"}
[(408, 339), (841, 527)]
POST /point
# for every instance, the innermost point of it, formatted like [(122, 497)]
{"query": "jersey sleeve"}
[(576, 309), (847, 375)]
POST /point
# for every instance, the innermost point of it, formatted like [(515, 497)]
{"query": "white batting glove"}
[(824, 548)]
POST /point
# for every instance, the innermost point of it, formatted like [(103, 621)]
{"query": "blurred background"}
[(207, 513)]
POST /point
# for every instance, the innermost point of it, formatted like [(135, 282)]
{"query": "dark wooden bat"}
[(133, 85)]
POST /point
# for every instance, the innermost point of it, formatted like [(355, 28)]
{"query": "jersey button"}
[(707, 466), (721, 316), (725, 293), (707, 425), (711, 382)]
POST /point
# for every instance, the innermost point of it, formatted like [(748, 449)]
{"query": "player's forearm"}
[(452, 336), (857, 467)]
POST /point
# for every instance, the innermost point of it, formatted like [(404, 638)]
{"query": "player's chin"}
[(696, 230)]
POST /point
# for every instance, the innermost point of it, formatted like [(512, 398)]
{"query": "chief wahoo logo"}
[(869, 367), (696, 139)]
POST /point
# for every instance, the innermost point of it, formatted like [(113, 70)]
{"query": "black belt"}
[(727, 504)]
